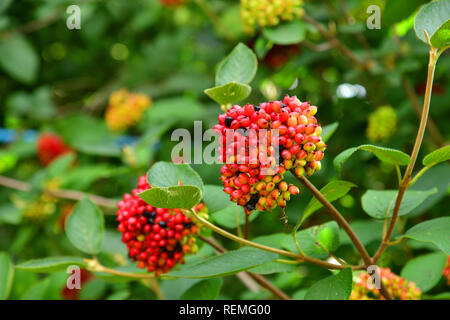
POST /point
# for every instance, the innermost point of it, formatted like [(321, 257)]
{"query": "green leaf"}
[(377, 202), (432, 179), (231, 92), (51, 264), (6, 275), (272, 267), (239, 66), (232, 216), (18, 58), (274, 240), (434, 231), (177, 108), (329, 130), (106, 147), (398, 10), (316, 241), (335, 287), (166, 174), (437, 156), (90, 173), (286, 33), (441, 37), (425, 271), (431, 17), (366, 230), (60, 165), (85, 227), (332, 191), (173, 289), (37, 291), (228, 263), (94, 289), (183, 197), (215, 199), (204, 290), (384, 154)]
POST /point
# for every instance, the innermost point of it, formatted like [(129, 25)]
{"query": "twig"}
[(362, 40), (95, 266), (338, 217), (59, 193), (256, 277), (335, 42), (243, 241), (420, 133), (344, 224)]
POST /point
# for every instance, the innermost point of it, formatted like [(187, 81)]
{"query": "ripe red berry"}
[(49, 147)]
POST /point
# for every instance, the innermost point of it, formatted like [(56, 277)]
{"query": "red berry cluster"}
[(156, 238), (49, 147), (398, 287), (249, 175)]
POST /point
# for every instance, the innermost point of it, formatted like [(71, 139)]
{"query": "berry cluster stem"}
[(339, 219), (243, 241), (433, 56), (344, 224), (95, 266)]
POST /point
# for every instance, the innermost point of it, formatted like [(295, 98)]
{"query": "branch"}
[(243, 241), (59, 193), (344, 224), (336, 43), (256, 277), (339, 219), (420, 133)]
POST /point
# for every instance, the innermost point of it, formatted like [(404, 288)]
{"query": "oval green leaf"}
[(425, 271), (18, 58), (85, 227), (228, 263), (335, 287), (232, 216), (165, 174), (51, 264), (215, 199), (239, 66), (384, 154), (204, 290), (437, 156), (286, 33), (329, 130), (183, 197), (431, 17), (377, 203), (435, 231), (6, 275), (317, 241), (231, 92)]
